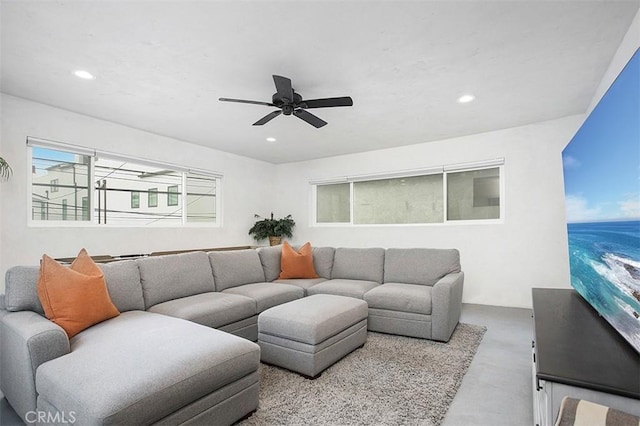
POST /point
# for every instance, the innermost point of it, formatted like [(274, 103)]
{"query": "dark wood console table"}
[(577, 353)]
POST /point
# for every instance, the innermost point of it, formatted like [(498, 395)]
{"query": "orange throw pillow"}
[(297, 264), (75, 298)]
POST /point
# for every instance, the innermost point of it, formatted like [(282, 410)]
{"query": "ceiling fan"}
[(291, 102)]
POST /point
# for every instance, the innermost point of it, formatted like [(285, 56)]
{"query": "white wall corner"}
[(630, 43)]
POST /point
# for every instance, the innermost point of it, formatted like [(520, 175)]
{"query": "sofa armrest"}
[(27, 340), (446, 305)]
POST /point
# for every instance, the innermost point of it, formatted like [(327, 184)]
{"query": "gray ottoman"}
[(308, 335)]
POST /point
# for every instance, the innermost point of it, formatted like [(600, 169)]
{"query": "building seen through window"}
[(75, 187)]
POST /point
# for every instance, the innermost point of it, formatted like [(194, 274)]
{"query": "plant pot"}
[(274, 241)]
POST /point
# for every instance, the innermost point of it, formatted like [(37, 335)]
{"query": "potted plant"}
[(273, 229), (5, 169)]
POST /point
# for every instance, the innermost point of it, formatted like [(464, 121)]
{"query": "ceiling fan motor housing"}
[(291, 103), (287, 109), (287, 106)]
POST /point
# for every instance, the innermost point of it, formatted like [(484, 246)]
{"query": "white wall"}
[(625, 51), (246, 187), (502, 262)]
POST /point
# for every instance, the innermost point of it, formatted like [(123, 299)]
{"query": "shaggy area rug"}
[(392, 380)]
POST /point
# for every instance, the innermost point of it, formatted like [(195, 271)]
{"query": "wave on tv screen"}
[(602, 192)]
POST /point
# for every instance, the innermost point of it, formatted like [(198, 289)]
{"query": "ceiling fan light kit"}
[(291, 103)]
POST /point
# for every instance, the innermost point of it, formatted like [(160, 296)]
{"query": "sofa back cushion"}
[(323, 261), (270, 257), (123, 283), (174, 276), (419, 265), (358, 264), (21, 292), (236, 267)]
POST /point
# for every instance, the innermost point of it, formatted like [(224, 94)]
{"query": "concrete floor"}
[(497, 388)]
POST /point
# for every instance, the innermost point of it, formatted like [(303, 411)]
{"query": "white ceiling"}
[(161, 66)]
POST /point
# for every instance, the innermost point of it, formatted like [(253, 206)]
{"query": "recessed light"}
[(84, 74), (270, 139), (466, 99)]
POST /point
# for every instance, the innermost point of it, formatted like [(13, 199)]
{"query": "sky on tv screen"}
[(602, 162), (602, 193)]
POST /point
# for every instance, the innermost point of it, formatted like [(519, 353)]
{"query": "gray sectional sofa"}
[(182, 350)]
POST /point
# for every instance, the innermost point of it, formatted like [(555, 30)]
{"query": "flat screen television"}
[(602, 191)]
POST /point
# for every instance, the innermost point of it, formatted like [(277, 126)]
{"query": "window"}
[(201, 198), (153, 197), (172, 195), (120, 185), (473, 195), (107, 188), (416, 199), (42, 210), (333, 205), (85, 208), (438, 195), (68, 173)]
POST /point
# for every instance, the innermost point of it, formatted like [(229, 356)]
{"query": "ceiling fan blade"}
[(267, 118), (283, 87), (242, 101), (327, 102), (310, 118)]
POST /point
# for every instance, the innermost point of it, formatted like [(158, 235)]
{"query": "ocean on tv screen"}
[(605, 270)]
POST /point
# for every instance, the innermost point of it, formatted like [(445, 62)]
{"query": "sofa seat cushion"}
[(342, 287), (304, 283), (211, 309), (268, 295), (401, 297), (139, 367)]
